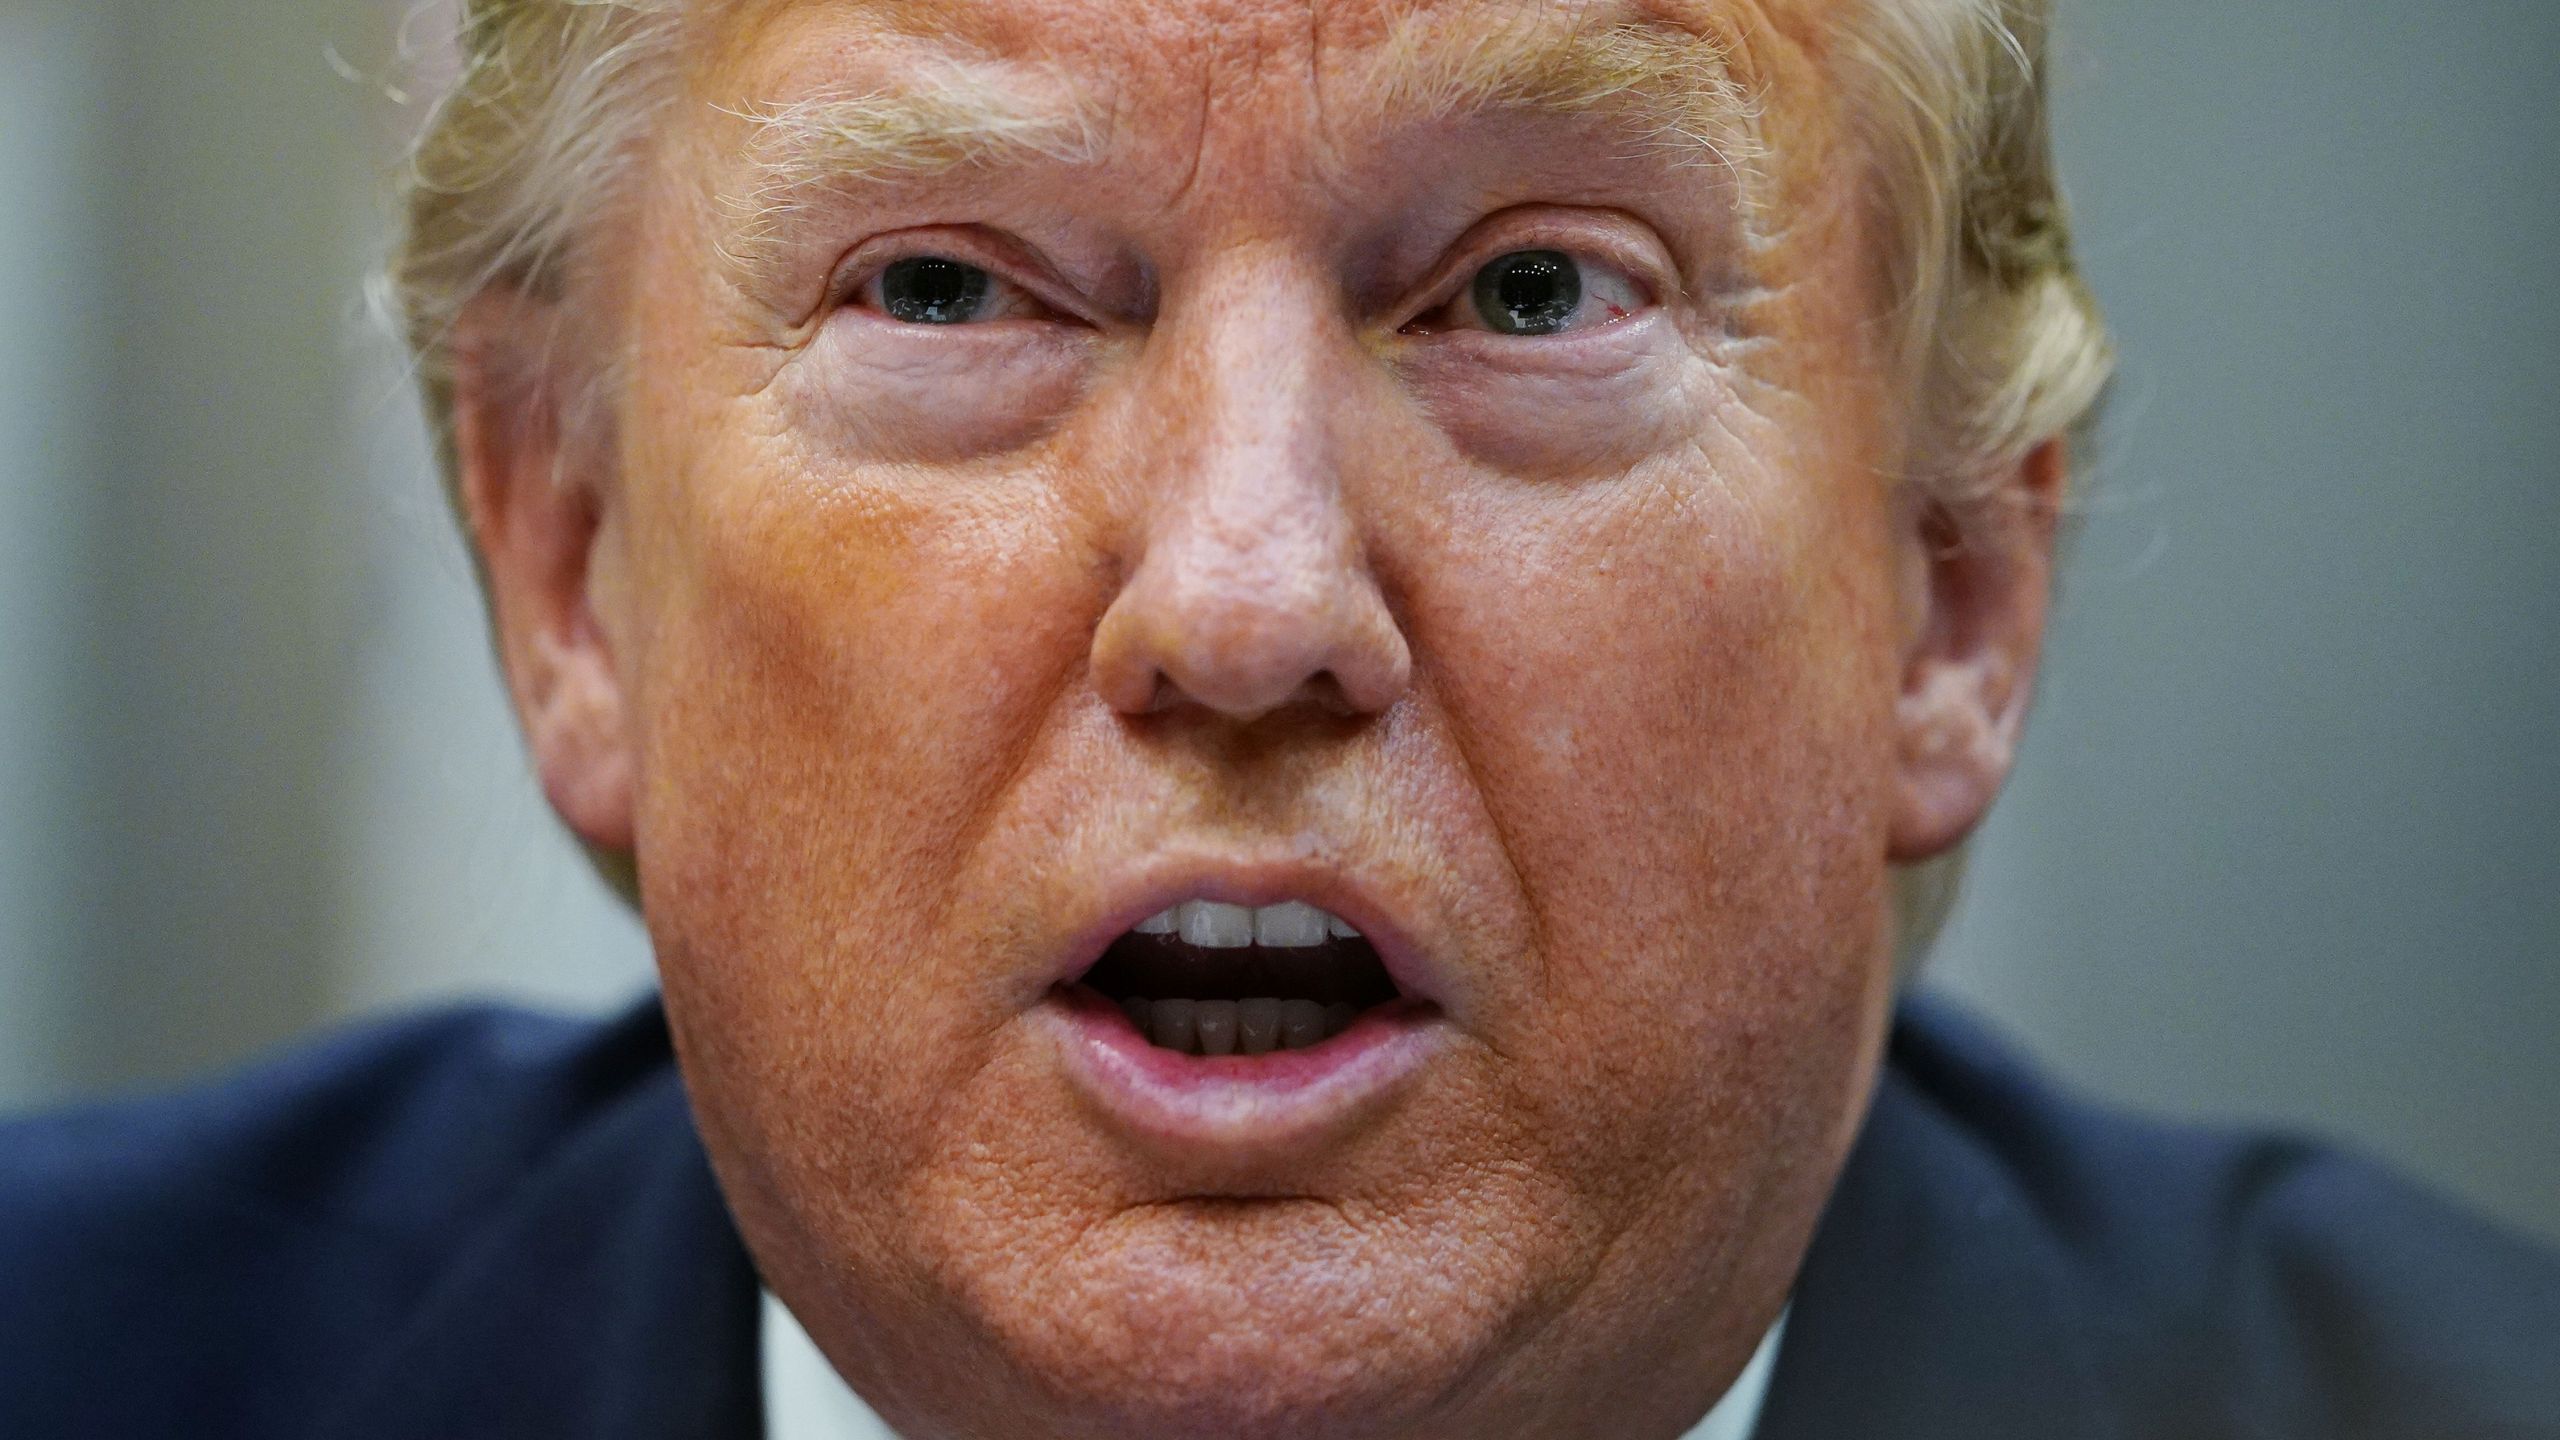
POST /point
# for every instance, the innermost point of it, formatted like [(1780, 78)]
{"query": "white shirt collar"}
[(804, 1398)]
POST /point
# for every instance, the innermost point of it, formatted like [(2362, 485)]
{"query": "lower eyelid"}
[(1580, 354)]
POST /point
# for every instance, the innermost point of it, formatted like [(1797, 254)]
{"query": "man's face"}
[(1262, 452)]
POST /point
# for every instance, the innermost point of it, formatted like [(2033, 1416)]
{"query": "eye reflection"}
[(931, 290), (1539, 292), (1529, 292)]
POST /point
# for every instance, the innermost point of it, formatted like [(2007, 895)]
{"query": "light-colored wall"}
[(48, 374), (2283, 845), (2286, 839)]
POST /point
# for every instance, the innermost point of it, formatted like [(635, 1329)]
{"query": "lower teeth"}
[(1237, 1027)]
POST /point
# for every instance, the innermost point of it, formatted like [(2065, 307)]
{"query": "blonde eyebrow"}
[(1678, 88), (950, 118)]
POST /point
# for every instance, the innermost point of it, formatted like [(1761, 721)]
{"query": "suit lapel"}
[(609, 1297), (1933, 1304)]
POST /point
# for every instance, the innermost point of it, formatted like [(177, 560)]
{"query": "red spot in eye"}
[(1616, 313)]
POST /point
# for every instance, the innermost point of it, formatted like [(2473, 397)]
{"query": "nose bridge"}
[(1250, 467), (1245, 385), (1250, 591)]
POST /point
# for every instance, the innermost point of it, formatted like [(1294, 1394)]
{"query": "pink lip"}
[(1169, 883), (1237, 1105)]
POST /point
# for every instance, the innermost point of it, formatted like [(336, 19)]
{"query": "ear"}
[(534, 503), (1976, 592)]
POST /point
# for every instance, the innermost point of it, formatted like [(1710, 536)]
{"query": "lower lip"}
[(1240, 1104)]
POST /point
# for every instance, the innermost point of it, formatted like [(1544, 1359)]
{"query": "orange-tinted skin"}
[(1613, 665)]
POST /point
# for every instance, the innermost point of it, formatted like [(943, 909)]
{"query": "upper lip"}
[(1236, 881)]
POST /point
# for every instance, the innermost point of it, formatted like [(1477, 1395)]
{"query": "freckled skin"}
[(1590, 662)]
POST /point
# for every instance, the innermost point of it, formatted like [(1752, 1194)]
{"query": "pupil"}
[(1531, 292), (929, 290)]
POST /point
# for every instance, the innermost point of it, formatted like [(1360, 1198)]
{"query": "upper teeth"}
[(1213, 926)]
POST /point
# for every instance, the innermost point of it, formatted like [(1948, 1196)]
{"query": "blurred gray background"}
[(2283, 845)]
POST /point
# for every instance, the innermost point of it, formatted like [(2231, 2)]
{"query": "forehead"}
[(1225, 51), (1256, 96), (1156, 133)]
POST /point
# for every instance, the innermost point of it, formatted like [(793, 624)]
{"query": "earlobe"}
[(534, 505), (1959, 726), (1978, 591)]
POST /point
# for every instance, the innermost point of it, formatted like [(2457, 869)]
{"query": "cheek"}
[(1589, 407), (1675, 694), (909, 394), (841, 669)]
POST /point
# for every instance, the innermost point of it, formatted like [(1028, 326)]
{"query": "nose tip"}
[(1246, 641), (1250, 589)]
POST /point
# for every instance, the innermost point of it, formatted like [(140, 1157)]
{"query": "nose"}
[(1252, 592)]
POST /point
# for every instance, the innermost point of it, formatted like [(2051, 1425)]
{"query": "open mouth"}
[(1206, 978)]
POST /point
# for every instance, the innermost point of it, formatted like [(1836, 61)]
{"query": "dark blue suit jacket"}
[(487, 1224)]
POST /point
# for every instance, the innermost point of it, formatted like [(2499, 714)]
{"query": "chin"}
[(1240, 1318)]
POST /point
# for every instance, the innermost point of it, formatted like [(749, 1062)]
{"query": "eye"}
[(1528, 292), (938, 290), (1541, 292)]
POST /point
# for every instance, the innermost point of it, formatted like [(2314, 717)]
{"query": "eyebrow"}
[(1676, 88), (951, 117)]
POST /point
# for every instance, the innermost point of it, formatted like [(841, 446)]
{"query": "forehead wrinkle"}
[(948, 117), (1678, 86), (1672, 80)]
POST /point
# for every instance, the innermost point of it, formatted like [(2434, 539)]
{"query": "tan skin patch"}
[(1583, 654)]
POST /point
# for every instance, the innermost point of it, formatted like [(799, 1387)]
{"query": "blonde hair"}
[(540, 134), (2001, 345)]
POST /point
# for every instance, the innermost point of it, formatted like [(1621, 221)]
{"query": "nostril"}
[(1124, 664), (1240, 680), (1325, 691), (1244, 630)]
